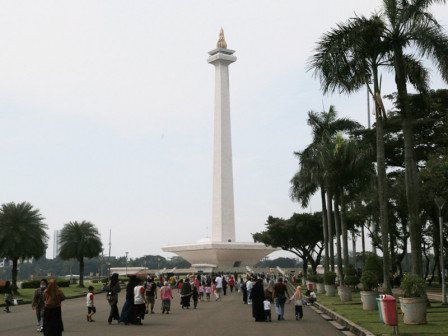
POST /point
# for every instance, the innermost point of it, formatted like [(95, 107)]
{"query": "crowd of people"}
[(258, 290)]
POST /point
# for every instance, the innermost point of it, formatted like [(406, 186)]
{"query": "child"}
[(298, 303), (267, 310), (139, 302), (91, 310), (195, 297), (311, 297), (208, 291), (201, 292)]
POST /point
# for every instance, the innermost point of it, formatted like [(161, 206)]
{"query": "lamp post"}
[(126, 263), (440, 202)]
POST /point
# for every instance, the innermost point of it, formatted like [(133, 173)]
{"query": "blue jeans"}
[(279, 308), (299, 311), (249, 299), (267, 315)]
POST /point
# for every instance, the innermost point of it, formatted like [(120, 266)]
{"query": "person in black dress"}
[(257, 295)]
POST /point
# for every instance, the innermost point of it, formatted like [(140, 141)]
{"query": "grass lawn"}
[(369, 319), (27, 294)]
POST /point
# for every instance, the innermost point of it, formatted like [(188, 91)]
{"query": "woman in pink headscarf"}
[(166, 295)]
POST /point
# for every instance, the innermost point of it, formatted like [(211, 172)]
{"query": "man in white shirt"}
[(249, 285), (218, 281)]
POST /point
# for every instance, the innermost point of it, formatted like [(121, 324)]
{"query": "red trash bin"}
[(389, 308), (310, 286)]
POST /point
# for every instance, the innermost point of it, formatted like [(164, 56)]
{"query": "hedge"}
[(36, 283)]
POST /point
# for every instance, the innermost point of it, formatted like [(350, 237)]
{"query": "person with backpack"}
[(151, 293), (112, 297)]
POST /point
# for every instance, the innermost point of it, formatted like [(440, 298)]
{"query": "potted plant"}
[(351, 279), (413, 302), (320, 283), (369, 293), (330, 280)]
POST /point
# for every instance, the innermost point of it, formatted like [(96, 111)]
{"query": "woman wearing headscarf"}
[(257, 295), (244, 290), (53, 297), (127, 313), (185, 294), (269, 290), (166, 295), (114, 289)]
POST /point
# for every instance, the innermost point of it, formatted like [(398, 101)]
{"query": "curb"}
[(353, 327)]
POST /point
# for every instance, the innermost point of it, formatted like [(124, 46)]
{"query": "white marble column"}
[(223, 214)]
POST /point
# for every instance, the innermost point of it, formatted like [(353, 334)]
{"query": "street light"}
[(126, 263), (440, 202)]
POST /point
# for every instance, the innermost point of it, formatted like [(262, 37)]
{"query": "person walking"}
[(249, 286), (151, 294), (38, 304), (279, 295), (166, 295), (91, 310), (53, 297), (298, 302), (218, 290), (127, 312), (139, 302), (231, 284), (257, 296), (244, 290), (9, 296), (185, 294), (114, 289), (224, 285)]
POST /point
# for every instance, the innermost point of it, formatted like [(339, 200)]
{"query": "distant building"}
[(56, 244)]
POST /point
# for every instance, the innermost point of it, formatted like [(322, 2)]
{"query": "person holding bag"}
[(112, 297), (279, 295)]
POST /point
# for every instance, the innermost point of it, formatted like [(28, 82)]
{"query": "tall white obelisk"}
[(223, 214)]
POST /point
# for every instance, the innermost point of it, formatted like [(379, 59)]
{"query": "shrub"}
[(312, 278), (329, 278), (369, 281), (413, 286), (320, 278), (351, 276), (375, 264)]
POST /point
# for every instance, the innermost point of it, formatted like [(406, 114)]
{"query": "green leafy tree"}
[(22, 234), (346, 59), (301, 235), (410, 24), (79, 241)]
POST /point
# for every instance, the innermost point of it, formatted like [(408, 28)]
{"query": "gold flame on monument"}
[(222, 41)]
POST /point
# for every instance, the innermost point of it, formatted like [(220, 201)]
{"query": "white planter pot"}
[(414, 310), (320, 288), (368, 300), (330, 290), (345, 293)]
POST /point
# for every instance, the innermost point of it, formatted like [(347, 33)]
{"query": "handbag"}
[(281, 299), (15, 302)]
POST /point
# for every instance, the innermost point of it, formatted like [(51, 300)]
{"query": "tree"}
[(346, 59), (410, 24), (301, 235), (22, 234), (79, 241), (314, 169)]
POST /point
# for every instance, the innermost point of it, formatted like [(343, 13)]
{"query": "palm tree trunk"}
[(363, 243), (337, 226), (411, 177), (81, 272), (382, 188), (325, 228), (14, 272), (344, 230), (354, 248), (330, 229)]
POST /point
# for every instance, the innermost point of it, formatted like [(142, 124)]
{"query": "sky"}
[(106, 111)]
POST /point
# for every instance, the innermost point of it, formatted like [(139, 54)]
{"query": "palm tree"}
[(79, 241), (311, 176), (410, 24), (346, 59), (22, 234)]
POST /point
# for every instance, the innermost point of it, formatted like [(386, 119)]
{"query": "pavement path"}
[(227, 317)]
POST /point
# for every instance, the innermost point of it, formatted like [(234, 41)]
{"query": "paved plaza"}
[(228, 317)]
